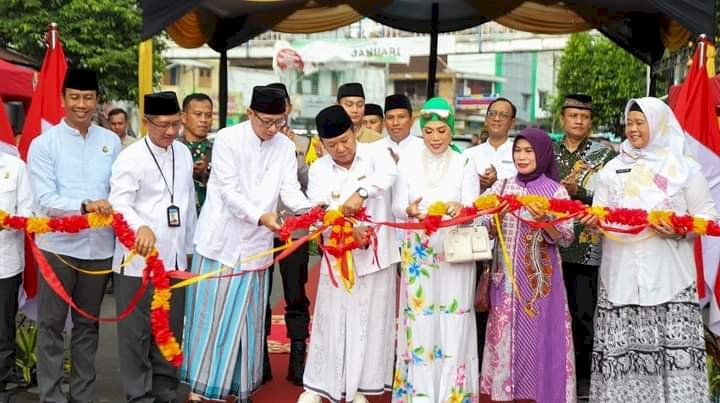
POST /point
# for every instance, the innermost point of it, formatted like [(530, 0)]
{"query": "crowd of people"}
[(572, 313)]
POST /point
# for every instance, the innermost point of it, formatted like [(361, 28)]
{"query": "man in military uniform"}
[(579, 159), (197, 118)]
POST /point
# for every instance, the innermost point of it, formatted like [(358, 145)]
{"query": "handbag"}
[(467, 244), (482, 290)]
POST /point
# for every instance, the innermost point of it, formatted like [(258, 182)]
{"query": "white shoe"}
[(309, 397), (360, 399)]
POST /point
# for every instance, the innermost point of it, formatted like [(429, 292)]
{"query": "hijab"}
[(662, 167), (544, 155), (438, 109)]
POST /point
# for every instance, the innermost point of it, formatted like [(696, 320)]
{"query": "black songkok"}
[(268, 100), (161, 103), (81, 79), (332, 121), (281, 87), (579, 101), (373, 109), (397, 101), (350, 90)]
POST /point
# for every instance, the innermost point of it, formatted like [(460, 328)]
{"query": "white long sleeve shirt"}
[(501, 158), (374, 170), (247, 178), (645, 269), (410, 144), (138, 191), (15, 199)]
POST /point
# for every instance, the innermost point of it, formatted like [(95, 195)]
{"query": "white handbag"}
[(467, 244)]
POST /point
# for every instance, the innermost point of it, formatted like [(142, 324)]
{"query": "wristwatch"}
[(362, 192), (83, 206)]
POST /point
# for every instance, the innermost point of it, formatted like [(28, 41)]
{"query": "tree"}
[(593, 65), (99, 34)]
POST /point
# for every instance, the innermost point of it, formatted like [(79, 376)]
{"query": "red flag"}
[(695, 110), (45, 111), (7, 137)]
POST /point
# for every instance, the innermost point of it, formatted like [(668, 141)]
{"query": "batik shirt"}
[(585, 162), (200, 150)]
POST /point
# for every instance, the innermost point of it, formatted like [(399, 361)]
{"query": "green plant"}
[(26, 358)]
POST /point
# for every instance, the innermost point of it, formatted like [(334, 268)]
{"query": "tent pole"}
[(223, 93), (432, 62), (653, 81)]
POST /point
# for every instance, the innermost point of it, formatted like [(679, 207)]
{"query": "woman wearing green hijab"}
[(437, 357)]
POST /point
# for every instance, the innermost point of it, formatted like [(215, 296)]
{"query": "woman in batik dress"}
[(437, 342), (649, 342), (528, 354)]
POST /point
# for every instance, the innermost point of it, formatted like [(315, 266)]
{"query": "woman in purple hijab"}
[(528, 353)]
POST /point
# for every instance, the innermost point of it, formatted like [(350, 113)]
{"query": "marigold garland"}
[(154, 267)]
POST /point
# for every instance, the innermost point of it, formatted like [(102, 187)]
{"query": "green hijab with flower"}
[(439, 109)]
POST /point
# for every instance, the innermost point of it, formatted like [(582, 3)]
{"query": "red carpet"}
[(280, 390)]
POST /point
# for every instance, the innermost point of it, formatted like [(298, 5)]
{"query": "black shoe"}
[(296, 366), (583, 389), (267, 371)]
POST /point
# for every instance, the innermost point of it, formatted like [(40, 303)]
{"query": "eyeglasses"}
[(268, 123), (165, 126), (501, 115), (441, 114)]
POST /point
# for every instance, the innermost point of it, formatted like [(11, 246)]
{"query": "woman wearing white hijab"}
[(649, 344)]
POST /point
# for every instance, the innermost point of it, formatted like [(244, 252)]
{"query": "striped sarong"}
[(224, 332)]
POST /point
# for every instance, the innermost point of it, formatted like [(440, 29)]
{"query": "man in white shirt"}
[(398, 122), (15, 199), (352, 343), (293, 271), (253, 165), (152, 186), (494, 158), (69, 167)]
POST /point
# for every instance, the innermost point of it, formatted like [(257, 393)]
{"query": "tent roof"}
[(644, 28)]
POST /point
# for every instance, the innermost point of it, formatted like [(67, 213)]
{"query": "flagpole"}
[(52, 31), (701, 44)]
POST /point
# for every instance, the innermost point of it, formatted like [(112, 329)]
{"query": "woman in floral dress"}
[(437, 342), (528, 354)]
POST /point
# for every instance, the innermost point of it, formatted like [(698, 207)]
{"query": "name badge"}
[(173, 216), (622, 171), (506, 162)]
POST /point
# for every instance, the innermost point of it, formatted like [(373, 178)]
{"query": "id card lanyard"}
[(173, 212)]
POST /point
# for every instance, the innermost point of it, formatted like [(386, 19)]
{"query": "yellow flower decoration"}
[(656, 217), (700, 225), (331, 216), (540, 203), (397, 379), (332, 242), (486, 202), (437, 208), (417, 303), (99, 221), (38, 225), (3, 215), (455, 397), (597, 211)]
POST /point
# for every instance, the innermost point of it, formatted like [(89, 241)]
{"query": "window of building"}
[(309, 84), (171, 76), (204, 77), (526, 101), (542, 99)]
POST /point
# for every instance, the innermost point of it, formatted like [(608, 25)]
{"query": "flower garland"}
[(154, 270)]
